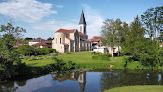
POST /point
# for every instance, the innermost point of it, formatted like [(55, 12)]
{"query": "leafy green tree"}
[(161, 36), (152, 18), (28, 38), (109, 33), (26, 50), (114, 33), (50, 39), (134, 38), (10, 29), (149, 56), (8, 55)]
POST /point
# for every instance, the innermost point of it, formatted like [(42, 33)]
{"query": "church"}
[(72, 40)]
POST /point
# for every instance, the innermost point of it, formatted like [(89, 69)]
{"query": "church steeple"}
[(82, 24), (82, 18)]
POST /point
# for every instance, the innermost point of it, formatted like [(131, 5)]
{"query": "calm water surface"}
[(88, 81)]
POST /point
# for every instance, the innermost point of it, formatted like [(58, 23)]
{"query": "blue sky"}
[(41, 18)]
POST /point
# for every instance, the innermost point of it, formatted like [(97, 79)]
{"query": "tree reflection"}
[(11, 86), (128, 77)]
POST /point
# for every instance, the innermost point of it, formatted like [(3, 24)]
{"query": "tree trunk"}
[(112, 52), (118, 50)]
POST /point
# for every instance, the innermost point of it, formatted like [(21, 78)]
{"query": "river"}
[(83, 81)]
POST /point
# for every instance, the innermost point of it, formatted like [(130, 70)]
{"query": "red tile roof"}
[(82, 33), (87, 39), (97, 37), (38, 40), (69, 38), (66, 31)]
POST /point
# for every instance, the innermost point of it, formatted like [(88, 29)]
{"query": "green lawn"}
[(84, 60), (146, 88)]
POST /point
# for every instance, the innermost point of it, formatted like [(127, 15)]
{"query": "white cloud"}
[(59, 6), (94, 21), (53, 25), (26, 10), (47, 29)]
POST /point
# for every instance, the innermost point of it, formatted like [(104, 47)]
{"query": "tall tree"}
[(8, 55), (153, 20), (134, 38), (161, 36), (114, 33), (109, 33)]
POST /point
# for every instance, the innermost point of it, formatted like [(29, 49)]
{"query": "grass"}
[(146, 88), (46, 60), (84, 60)]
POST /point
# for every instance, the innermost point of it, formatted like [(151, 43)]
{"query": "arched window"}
[(60, 41)]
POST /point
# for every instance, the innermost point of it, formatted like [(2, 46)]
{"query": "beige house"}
[(72, 40)]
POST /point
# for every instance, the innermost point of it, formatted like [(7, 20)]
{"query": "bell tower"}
[(82, 24)]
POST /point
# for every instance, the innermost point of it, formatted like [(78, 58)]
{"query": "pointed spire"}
[(82, 18)]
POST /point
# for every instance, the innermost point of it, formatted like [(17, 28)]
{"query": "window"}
[(56, 40), (60, 41)]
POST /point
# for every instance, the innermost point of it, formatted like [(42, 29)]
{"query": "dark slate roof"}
[(82, 18)]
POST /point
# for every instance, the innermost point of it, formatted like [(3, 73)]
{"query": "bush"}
[(67, 52), (26, 50), (44, 51), (96, 53), (26, 58)]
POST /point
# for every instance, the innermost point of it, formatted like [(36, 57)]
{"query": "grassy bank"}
[(84, 60), (146, 88)]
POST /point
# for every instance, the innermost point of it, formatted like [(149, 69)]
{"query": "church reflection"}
[(73, 76)]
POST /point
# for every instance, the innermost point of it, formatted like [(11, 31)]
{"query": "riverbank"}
[(145, 88), (84, 60)]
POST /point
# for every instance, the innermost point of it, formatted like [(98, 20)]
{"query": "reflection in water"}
[(83, 81), (128, 78), (73, 76), (11, 86)]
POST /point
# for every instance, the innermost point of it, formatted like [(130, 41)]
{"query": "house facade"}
[(40, 43), (72, 40)]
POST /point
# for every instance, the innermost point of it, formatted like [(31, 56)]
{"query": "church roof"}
[(82, 19), (66, 31)]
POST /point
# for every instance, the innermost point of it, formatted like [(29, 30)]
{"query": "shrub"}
[(26, 50), (43, 51), (67, 52), (96, 53), (26, 58)]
